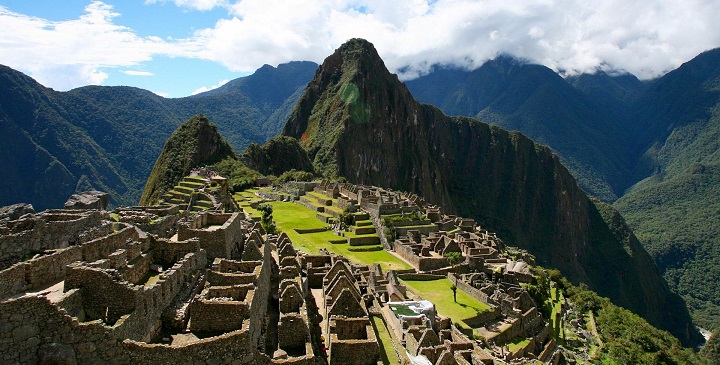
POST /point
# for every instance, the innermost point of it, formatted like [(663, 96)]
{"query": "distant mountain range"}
[(650, 148), (107, 138), (652, 145)]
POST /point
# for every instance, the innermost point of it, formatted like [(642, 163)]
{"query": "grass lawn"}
[(387, 349), (518, 343), (438, 291), (290, 215)]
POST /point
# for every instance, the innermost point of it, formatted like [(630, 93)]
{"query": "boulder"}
[(15, 211), (88, 200)]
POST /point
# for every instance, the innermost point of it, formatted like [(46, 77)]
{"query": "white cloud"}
[(208, 88), (202, 5), (67, 54), (645, 37), (137, 73)]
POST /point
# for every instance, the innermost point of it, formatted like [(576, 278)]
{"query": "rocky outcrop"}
[(88, 200), (15, 211), (359, 121)]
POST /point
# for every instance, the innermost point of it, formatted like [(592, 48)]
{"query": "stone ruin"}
[(157, 285), (78, 288)]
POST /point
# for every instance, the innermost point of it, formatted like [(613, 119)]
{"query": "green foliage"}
[(712, 348), (277, 156), (678, 220), (627, 338), (454, 258), (295, 175), (389, 220), (267, 218), (240, 177)]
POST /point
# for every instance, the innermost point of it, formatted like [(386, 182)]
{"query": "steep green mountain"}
[(357, 120), (195, 143), (46, 157), (615, 94), (107, 138), (675, 209), (539, 103), (276, 156)]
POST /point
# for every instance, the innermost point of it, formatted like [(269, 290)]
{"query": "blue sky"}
[(178, 47)]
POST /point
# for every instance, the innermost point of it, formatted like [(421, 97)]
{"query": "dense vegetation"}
[(107, 138), (712, 348), (194, 144), (626, 338), (358, 121), (277, 156), (675, 210)]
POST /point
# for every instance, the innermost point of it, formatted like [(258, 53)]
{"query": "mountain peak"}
[(195, 143)]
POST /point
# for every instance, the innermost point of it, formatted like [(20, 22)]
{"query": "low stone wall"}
[(363, 241), (310, 230), (217, 315), (52, 229), (420, 276), (482, 318), (354, 352), (425, 230), (12, 280), (51, 268), (431, 263), (225, 349), (102, 247)]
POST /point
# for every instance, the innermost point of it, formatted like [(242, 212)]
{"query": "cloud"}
[(137, 73), (202, 5), (645, 37), (72, 53), (208, 88)]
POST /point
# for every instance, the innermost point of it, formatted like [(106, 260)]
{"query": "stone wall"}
[(472, 291), (52, 229), (38, 272), (354, 352), (104, 297), (101, 248), (293, 334), (218, 315), (12, 280)]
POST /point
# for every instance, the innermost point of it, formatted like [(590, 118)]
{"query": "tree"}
[(454, 258), (267, 219)]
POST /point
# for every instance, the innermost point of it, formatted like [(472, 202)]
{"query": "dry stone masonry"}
[(170, 284)]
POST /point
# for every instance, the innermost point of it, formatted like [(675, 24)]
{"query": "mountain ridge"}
[(108, 138), (358, 121)]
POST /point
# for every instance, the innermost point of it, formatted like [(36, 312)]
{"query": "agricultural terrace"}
[(289, 216)]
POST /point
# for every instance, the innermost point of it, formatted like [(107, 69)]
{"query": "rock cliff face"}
[(195, 143), (359, 121)]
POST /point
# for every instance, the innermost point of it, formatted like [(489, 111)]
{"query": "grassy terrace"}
[(438, 291), (288, 216), (389, 356), (244, 198)]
